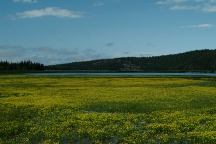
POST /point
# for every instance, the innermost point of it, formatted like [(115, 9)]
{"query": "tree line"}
[(199, 60), (20, 66)]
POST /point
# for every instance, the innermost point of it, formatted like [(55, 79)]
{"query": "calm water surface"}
[(121, 74)]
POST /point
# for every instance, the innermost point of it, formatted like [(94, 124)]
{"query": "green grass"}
[(107, 110)]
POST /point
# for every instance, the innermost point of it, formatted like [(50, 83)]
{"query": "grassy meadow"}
[(111, 110)]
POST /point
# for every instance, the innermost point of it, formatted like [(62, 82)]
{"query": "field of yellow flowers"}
[(111, 110)]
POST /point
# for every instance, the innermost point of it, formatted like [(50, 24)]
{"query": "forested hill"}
[(199, 60)]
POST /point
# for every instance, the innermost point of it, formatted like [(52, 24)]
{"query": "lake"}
[(135, 74)]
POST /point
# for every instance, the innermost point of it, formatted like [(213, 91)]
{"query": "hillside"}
[(199, 60)]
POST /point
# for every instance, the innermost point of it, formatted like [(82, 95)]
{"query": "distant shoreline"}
[(123, 74)]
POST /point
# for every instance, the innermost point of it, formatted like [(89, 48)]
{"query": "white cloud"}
[(98, 4), (206, 25), (200, 5), (49, 11), (183, 7), (168, 2), (26, 1)]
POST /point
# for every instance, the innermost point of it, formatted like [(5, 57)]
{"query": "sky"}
[(63, 31)]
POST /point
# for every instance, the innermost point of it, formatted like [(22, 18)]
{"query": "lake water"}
[(135, 74)]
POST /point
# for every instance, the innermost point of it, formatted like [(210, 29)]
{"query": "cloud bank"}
[(48, 55)]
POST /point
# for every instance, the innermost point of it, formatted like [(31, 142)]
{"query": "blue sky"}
[(59, 31)]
